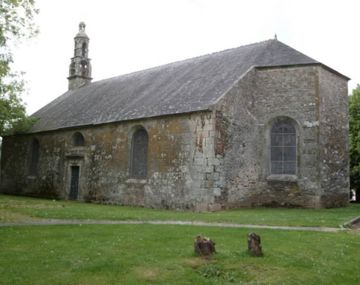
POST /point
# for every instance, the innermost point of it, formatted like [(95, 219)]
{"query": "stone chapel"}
[(257, 125)]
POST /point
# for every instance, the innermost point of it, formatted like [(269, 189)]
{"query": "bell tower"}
[(80, 67)]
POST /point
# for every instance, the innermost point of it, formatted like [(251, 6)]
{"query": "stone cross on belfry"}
[(82, 27)]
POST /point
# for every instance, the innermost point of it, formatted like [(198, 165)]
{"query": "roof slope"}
[(185, 86)]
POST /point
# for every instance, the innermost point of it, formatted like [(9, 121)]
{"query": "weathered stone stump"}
[(254, 244), (204, 246)]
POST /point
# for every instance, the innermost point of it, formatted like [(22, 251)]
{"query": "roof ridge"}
[(158, 67)]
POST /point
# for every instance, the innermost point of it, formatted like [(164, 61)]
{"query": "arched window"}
[(83, 49), (78, 139), (139, 148), (84, 68), (34, 157), (283, 148)]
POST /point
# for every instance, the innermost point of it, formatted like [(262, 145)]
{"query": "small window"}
[(83, 49), (78, 139), (283, 148), (34, 157), (139, 150), (84, 68)]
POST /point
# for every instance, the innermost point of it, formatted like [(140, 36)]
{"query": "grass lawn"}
[(14, 209), (162, 254)]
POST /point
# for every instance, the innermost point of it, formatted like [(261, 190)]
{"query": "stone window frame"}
[(132, 173), (295, 124), (34, 157), (78, 139)]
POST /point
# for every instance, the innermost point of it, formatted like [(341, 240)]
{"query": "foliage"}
[(216, 272), (354, 118), (14, 209), (16, 23)]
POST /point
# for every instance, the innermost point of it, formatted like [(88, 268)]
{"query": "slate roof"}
[(180, 87)]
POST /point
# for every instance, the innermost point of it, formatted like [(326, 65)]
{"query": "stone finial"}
[(82, 27), (275, 37), (81, 33)]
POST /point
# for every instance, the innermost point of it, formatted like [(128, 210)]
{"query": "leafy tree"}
[(16, 23), (354, 119)]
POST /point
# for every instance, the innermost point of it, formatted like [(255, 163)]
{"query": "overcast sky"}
[(130, 35)]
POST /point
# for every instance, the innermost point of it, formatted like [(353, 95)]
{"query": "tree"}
[(16, 23), (354, 120)]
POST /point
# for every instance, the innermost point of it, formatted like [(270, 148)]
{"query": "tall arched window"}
[(139, 148), (78, 139), (283, 148), (34, 157)]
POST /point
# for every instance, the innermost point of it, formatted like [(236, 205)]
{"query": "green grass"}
[(19, 208), (162, 254)]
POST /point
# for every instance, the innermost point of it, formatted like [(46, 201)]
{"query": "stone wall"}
[(333, 139), (249, 109), (180, 158)]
